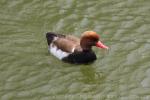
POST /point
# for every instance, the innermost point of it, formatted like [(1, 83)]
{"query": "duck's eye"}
[(95, 40)]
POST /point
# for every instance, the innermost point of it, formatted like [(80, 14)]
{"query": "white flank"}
[(57, 52)]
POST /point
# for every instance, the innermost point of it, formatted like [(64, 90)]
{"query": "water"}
[(29, 72)]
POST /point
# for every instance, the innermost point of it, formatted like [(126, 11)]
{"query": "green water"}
[(29, 72)]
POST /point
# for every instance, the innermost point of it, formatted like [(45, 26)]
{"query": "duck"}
[(72, 49)]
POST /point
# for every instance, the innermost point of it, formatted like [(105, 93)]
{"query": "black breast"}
[(80, 57)]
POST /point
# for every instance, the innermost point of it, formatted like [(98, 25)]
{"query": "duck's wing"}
[(69, 43), (65, 45), (73, 39)]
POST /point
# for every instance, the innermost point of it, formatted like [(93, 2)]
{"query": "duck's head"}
[(89, 39)]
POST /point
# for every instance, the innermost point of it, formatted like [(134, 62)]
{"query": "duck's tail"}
[(51, 36)]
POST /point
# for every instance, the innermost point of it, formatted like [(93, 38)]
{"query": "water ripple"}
[(28, 71)]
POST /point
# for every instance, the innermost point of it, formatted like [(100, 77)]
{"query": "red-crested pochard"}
[(72, 49)]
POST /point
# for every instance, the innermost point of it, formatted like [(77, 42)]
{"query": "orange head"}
[(89, 39)]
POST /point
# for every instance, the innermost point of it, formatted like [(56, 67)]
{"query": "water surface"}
[(29, 72)]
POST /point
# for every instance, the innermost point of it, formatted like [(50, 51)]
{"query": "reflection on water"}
[(28, 71)]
